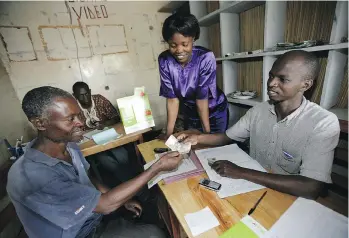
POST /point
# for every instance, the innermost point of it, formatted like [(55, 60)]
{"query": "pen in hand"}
[(255, 206)]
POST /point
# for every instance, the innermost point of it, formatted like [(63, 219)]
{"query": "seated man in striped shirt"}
[(289, 135)]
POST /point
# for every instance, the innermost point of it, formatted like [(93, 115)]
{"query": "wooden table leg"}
[(95, 170), (176, 231), (169, 218), (139, 155)]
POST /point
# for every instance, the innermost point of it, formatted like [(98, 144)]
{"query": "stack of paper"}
[(234, 154), (247, 227), (105, 136), (89, 135), (307, 218), (196, 170), (190, 166), (201, 221)]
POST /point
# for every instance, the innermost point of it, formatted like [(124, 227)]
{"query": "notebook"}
[(198, 170)]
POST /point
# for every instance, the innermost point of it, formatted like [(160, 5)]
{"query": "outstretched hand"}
[(193, 139), (226, 168)]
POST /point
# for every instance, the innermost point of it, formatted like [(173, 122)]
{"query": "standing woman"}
[(188, 77)]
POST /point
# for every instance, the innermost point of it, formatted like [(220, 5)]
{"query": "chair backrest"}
[(337, 193), (340, 164), (7, 212)]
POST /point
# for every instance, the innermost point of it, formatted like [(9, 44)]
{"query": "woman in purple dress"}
[(188, 77)]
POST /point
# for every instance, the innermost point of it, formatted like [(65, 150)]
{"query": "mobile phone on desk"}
[(161, 150), (210, 184)]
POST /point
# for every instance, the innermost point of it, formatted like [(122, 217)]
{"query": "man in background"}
[(97, 113)]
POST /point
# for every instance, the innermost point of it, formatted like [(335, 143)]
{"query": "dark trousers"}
[(218, 123)]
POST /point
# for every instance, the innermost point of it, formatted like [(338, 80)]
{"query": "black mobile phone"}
[(210, 184), (161, 150)]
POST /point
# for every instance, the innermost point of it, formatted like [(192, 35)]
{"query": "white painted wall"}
[(120, 56)]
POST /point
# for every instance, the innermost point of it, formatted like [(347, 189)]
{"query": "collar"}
[(93, 106), (189, 64), (39, 157), (293, 115)]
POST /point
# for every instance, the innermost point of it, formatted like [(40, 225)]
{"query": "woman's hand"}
[(98, 125), (163, 137)]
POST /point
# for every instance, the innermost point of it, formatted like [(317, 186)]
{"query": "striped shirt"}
[(303, 143)]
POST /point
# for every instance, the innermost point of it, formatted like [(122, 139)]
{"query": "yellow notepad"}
[(247, 227)]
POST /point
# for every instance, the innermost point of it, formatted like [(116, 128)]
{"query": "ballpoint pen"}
[(255, 206)]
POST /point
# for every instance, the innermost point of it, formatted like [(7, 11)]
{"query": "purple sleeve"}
[(207, 77), (166, 89)]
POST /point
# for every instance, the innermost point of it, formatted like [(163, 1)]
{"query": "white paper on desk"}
[(307, 218), (185, 166), (234, 154), (106, 136), (201, 221), (157, 178), (88, 135)]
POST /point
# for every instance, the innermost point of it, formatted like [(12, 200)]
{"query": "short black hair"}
[(37, 100), (187, 25), (310, 61), (80, 84)]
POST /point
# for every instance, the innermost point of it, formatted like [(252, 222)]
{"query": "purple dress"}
[(197, 80)]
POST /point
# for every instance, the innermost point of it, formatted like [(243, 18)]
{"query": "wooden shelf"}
[(249, 102), (272, 53), (234, 7), (341, 113)]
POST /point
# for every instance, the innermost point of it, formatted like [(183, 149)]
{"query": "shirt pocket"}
[(289, 161)]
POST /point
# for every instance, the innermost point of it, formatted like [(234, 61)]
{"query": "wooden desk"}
[(90, 147), (187, 196)]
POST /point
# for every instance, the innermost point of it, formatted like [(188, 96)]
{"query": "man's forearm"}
[(296, 185), (213, 139), (116, 197), (203, 111)]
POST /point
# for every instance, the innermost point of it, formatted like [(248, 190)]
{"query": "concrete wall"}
[(14, 123), (112, 46)]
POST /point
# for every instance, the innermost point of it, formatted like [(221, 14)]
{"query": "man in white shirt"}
[(289, 135)]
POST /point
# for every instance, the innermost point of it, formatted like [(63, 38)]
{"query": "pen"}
[(255, 206), (288, 155)]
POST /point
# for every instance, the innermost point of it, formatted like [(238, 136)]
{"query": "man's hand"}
[(98, 125), (134, 207), (169, 161), (227, 169), (188, 138)]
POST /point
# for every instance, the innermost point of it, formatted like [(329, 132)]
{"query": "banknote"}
[(175, 145)]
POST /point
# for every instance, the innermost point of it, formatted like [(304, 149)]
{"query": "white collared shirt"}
[(302, 143)]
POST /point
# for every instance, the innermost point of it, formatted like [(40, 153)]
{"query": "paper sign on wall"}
[(135, 111)]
